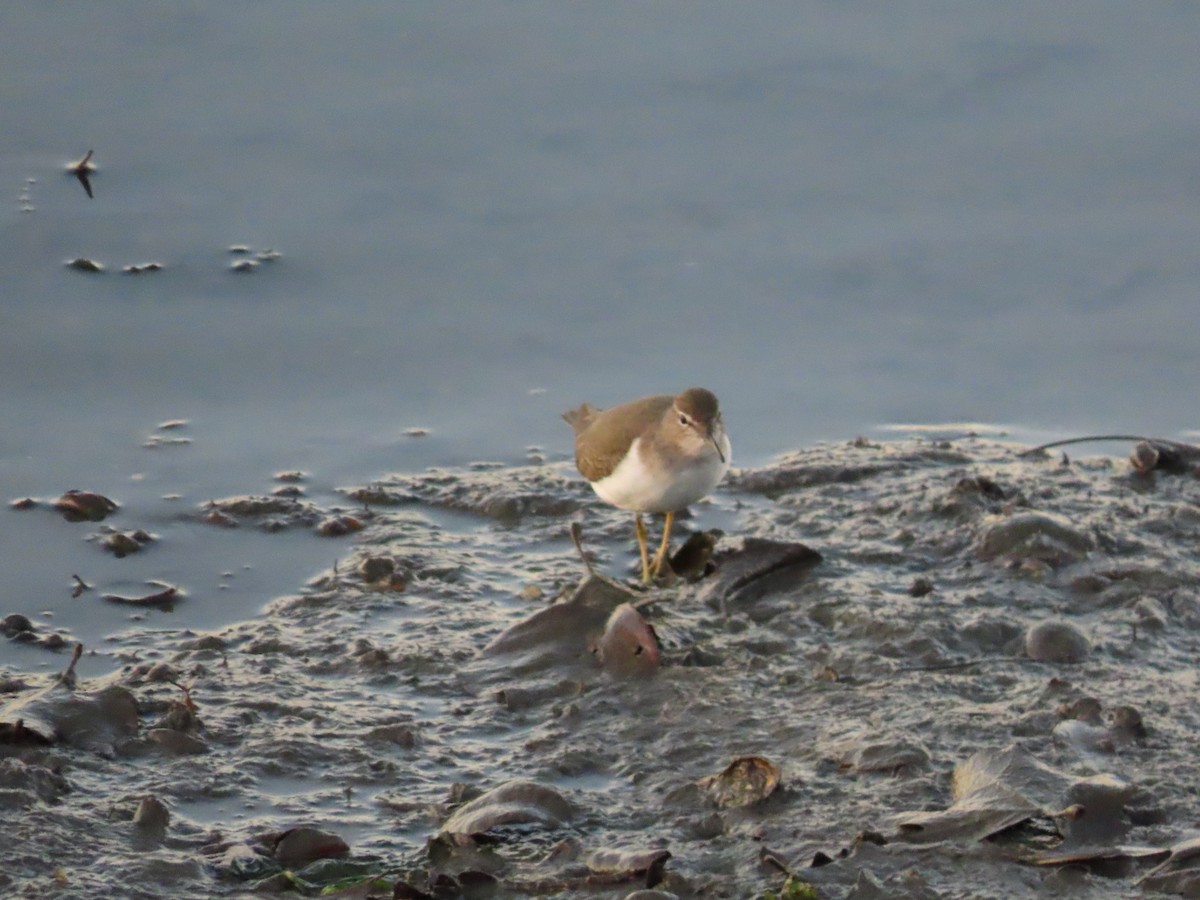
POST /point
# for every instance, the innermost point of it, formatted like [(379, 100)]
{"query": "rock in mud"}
[(972, 495), (298, 847), (693, 560), (84, 506), (83, 264), (152, 814), (376, 568), (54, 641), (1128, 725), (142, 268), (746, 780), (1056, 641), (1101, 819), (14, 624), (920, 587), (120, 544), (513, 803), (1034, 536), (398, 735)]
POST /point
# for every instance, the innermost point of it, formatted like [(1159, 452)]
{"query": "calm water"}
[(835, 215)]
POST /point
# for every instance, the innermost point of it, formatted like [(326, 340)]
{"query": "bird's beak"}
[(713, 436)]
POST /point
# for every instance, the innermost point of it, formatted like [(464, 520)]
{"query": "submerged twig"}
[(80, 586)]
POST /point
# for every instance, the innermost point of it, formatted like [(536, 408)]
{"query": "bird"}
[(657, 454)]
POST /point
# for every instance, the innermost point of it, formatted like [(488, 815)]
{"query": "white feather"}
[(637, 487)]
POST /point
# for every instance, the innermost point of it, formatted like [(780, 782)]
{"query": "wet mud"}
[(913, 669)]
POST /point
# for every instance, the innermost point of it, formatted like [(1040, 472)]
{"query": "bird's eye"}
[(683, 420)]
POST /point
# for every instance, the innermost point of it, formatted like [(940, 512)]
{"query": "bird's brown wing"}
[(602, 442)]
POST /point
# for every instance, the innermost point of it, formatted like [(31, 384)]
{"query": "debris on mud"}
[(269, 513), (972, 665), (746, 780), (122, 543), (84, 506), (165, 598), (95, 720)]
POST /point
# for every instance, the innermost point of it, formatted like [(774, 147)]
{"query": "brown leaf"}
[(746, 780)]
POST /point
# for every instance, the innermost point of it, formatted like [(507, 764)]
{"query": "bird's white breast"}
[(635, 486)]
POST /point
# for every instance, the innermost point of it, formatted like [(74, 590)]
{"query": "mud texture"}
[(873, 633)]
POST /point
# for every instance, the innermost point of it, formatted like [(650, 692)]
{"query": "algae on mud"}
[(357, 710)]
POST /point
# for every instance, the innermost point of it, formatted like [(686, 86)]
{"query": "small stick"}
[(80, 586), (68, 675), (187, 695), (577, 540), (963, 664), (1090, 439), (1085, 440)]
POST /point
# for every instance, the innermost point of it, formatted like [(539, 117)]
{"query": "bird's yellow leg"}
[(661, 556), (641, 536)]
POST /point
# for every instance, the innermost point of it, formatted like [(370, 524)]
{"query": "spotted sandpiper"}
[(653, 455)]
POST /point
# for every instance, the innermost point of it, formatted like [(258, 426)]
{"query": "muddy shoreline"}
[(363, 706)]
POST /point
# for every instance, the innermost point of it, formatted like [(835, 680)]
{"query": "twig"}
[(963, 664), (1089, 439), (187, 695), (68, 675), (577, 540)]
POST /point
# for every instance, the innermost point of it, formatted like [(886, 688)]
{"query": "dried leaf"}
[(746, 780)]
